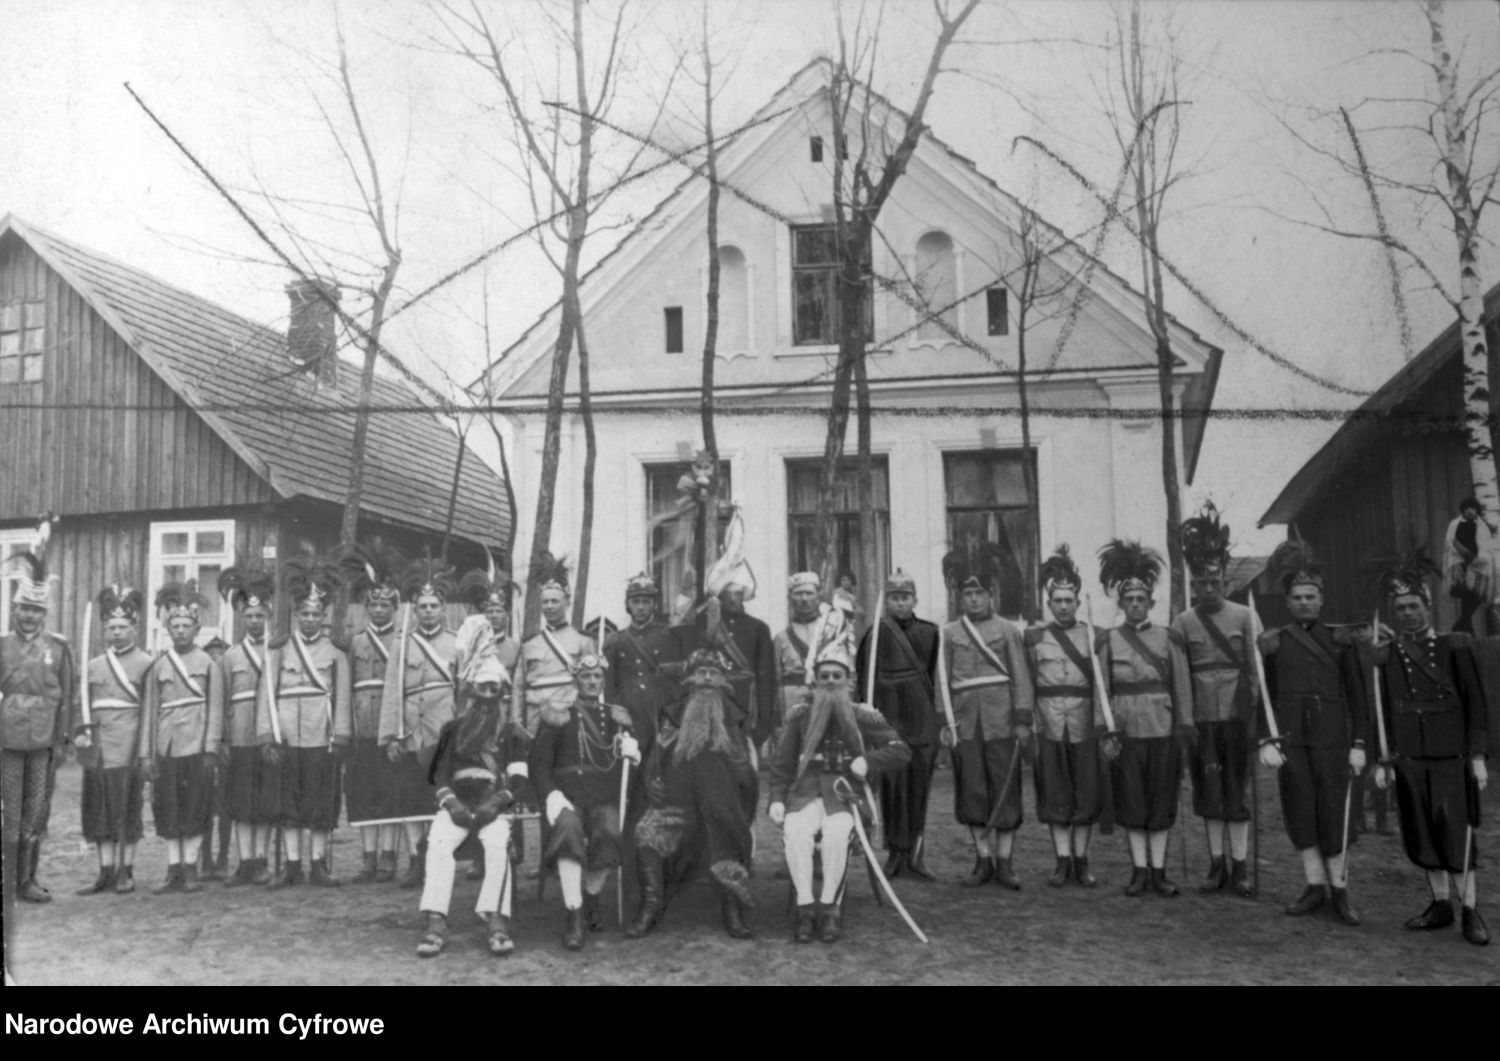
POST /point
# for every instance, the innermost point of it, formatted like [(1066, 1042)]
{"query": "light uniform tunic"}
[(311, 690), (184, 725), (1223, 699), (1141, 696), (415, 705), (989, 702), (1068, 720), (112, 783), (547, 659)]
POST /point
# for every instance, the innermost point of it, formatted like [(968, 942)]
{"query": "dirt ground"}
[(366, 934)]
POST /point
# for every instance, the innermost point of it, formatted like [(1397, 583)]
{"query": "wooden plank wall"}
[(101, 432)]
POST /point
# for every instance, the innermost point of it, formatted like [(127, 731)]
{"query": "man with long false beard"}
[(827, 737), (699, 794)]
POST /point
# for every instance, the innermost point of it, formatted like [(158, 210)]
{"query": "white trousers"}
[(443, 839), (800, 832)]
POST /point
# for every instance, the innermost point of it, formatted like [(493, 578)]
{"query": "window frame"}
[(672, 316), (13, 541), (1030, 594), (846, 520), (671, 471), (154, 636), (828, 271), (26, 353)]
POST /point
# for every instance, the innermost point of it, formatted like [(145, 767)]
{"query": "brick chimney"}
[(311, 338)]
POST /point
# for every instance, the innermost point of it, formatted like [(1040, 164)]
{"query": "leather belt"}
[(1138, 688), (1063, 692), (370, 683), (299, 691), (476, 772), (428, 687), (240, 697), (898, 675), (1199, 668), (976, 683), (113, 703)]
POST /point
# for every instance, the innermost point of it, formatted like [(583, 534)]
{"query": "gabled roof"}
[(512, 370), (1368, 422), (235, 375)]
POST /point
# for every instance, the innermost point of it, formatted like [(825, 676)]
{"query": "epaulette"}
[(556, 714), (1033, 635), (279, 642), (866, 713), (620, 715), (1268, 641), (1460, 639)]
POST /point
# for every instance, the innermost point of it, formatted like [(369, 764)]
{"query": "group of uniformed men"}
[(438, 738)]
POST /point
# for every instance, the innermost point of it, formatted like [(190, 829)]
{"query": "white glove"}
[(518, 769), (778, 813), (630, 748), (1382, 778), (1481, 772), (1357, 760), (1271, 756), (859, 768), (556, 804), (83, 740)]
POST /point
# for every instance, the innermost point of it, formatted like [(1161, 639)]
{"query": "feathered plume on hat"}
[(1126, 566), (550, 572), (243, 586), (1205, 541), (642, 585), (1403, 574), (35, 586), (481, 588), (119, 601), (426, 576), (178, 600), (371, 570), (982, 571), (311, 580), (1059, 572), (1295, 565)]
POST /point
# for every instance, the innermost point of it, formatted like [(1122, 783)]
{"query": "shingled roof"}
[(298, 436)]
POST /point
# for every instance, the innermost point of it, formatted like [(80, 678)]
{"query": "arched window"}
[(935, 276), (734, 301)]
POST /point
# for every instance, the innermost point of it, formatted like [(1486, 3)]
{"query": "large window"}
[(987, 502), (672, 538), (197, 551), (21, 341), (802, 515), (815, 287)]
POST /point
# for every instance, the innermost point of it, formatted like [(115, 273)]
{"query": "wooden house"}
[(171, 435)]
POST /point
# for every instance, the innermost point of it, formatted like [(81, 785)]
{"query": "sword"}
[(87, 756), (401, 675), (1010, 772), (1385, 751), (620, 872), (1088, 627), (949, 736), (874, 661), (1260, 675), (846, 793), (1344, 851), (1463, 893)]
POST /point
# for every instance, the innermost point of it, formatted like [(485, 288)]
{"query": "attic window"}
[(673, 315), (21, 342), (817, 149), (996, 301)]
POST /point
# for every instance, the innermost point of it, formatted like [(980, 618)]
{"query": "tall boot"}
[(573, 930), (416, 867), (591, 919), (648, 866), (1216, 878), (734, 915), (27, 888)]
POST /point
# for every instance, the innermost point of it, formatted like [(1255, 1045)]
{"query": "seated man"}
[(827, 737), (577, 764), (472, 795)]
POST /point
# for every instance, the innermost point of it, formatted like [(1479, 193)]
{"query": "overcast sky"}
[(240, 84)]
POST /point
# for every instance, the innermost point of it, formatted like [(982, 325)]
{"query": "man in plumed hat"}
[(183, 728), (372, 572), (305, 719), (1212, 671), (1069, 796), (905, 665), (1145, 761), (489, 594), (576, 766), (418, 701), (549, 656), (108, 741), (700, 792), (827, 737), (812, 626), (644, 662), (1318, 695), (252, 796), (37, 687), (1434, 715), (989, 689)]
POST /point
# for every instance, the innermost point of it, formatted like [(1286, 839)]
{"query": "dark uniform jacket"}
[(1434, 707), (576, 751), (1315, 685), (747, 644), (904, 694), (641, 677)]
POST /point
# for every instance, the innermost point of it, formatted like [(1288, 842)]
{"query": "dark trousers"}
[(1438, 800), (182, 797), (1221, 770), (1067, 781), (1313, 784), (1145, 782), (903, 798), (112, 804), (980, 768)]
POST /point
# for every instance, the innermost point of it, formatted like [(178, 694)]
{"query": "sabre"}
[(83, 700), (1463, 894), (401, 674), (1260, 675), (1385, 751), (949, 736), (620, 871), (1088, 627), (874, 661), (1344, 851), (846, 793), (269, 684)]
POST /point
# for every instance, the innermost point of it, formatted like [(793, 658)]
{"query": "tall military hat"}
[(1205, 542), (34, 585), (1406, 574), (119, 601), (372, 571), (705, 657), (898, 581), (1126, 566), (243, 586), (641, 585), (804, 578), (590, 661), (1059, 572), (177, 600), (310, 579), (491, 586), (1295, 565), (982, 571), (835, 650), (427, 577), (550, 572)]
